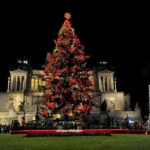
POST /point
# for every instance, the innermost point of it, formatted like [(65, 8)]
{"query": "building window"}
[(11, 98)]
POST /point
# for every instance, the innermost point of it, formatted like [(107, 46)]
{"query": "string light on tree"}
[(68, 88)]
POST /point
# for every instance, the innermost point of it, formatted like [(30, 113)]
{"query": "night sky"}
[(117, 34)]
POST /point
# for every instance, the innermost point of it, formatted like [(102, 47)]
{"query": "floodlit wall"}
[(115, 100)]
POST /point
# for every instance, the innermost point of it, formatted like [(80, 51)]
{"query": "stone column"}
[(38, 86), (11, 83), (20, 79), (107, 84), (112, 84), (31, 84), (100, 83), (40, 82), (25, 81), (110, 88), (115, 85), (8, 86), (34, 86), (22, 83), (104, 84), (16, 83)]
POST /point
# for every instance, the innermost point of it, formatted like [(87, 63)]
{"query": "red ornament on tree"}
[(68, 88)]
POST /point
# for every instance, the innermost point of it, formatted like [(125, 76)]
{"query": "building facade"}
[(118, 104), (24, 95)]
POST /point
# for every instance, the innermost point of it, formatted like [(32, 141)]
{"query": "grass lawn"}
[(114, 142)]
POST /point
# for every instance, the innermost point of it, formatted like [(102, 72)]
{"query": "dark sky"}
[(115, 33)]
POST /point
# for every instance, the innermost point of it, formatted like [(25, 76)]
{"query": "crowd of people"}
[(4, 129), (34, 125)]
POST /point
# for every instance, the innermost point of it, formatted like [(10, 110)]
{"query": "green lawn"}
[(114, 142)]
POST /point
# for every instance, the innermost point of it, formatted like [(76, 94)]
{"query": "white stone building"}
[(24, 86), (118, 104)]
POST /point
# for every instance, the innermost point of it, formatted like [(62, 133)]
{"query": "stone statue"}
[(104, 106), (112, 105), (11, 107)]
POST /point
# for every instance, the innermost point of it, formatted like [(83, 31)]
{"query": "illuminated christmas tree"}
[(68, 89)]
